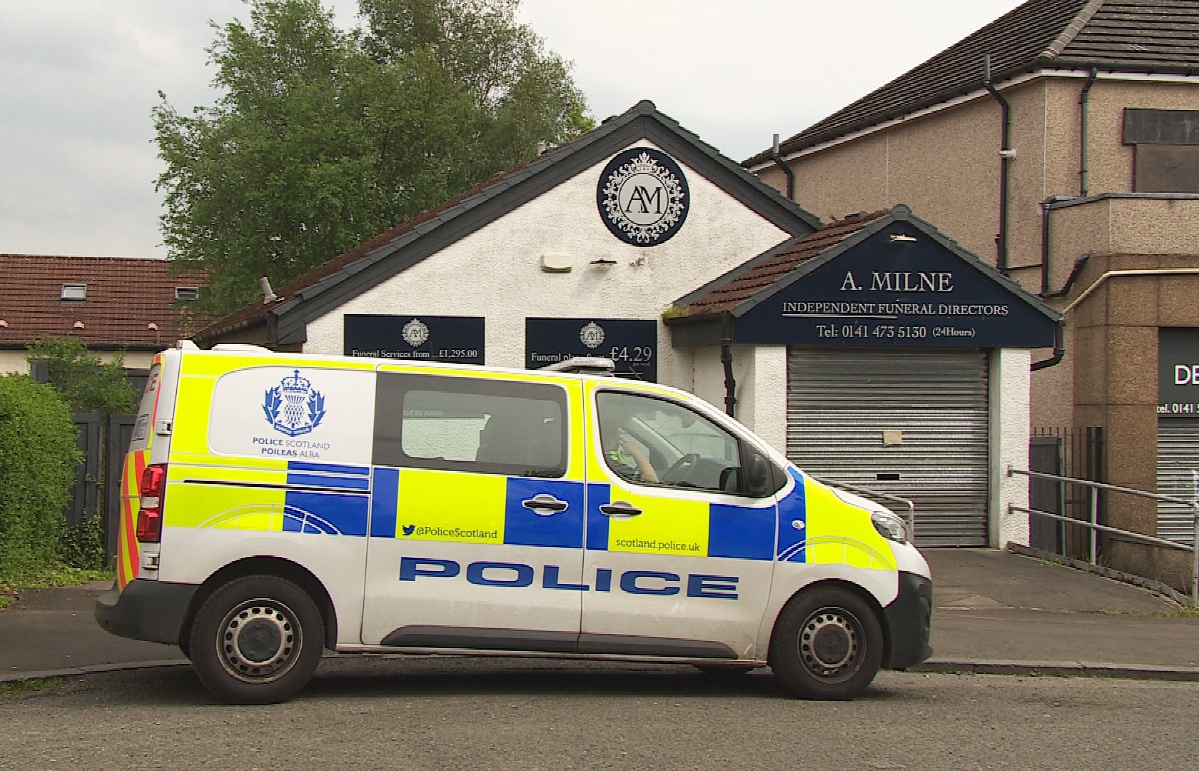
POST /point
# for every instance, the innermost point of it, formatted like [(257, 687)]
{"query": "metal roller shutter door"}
[(1177, 465), (841, 401)]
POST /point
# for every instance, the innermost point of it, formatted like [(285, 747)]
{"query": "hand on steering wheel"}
[(679, 469)]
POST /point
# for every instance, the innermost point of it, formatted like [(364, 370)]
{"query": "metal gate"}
[(1177, 475), (912, 423), (102, 440)]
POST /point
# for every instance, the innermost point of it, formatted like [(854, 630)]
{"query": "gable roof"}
[(341, 278), (1144, 36), (129, 302), (728, 292), (742, 289)]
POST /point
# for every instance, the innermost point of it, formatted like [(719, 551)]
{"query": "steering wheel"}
[(679, 469)]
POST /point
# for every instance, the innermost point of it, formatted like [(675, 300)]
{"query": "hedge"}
[(38, 456)]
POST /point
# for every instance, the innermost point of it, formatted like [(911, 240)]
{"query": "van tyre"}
[(827, 644), (257, 640)]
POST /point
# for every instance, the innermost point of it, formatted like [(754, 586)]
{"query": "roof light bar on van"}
[(589, 365)]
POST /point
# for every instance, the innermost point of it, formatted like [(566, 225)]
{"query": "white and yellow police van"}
[(275, 505)]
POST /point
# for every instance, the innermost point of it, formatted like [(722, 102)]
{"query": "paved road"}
[(470, 713)]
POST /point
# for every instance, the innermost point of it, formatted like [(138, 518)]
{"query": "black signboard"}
[(455, 339), (1178, 373), (898, 287), (631, 343)]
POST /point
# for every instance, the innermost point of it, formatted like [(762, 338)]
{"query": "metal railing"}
[(868, 493), (1096, 528)]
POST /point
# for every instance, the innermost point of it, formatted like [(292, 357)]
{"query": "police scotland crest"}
[(643, 196), (294, 407)]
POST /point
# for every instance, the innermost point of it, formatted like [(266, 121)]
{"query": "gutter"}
[(1126, 274), (1059, 347)]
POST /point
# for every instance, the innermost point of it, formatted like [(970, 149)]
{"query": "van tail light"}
[(152, 490)]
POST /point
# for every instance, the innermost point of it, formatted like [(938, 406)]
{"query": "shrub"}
[(82, 545), (37, 470), (87, 383)]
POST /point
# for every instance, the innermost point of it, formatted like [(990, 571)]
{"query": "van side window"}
[(472, 425), (654, 441)]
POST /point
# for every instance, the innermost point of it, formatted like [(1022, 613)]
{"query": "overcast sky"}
[(78, 79)]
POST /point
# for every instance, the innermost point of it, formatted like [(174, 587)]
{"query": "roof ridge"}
[(1071, 31)]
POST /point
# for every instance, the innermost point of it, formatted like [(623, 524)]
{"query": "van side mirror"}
[(757, 477)]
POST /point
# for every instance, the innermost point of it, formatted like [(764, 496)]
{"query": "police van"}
[(277, 505)]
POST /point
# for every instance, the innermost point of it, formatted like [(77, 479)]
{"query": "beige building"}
[(1061, 144)]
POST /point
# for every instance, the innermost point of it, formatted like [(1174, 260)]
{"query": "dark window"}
[(473, 425), (654, 441), (1167, 150)]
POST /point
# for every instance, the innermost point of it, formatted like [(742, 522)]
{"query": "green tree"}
[(86, 383), (322, 138)]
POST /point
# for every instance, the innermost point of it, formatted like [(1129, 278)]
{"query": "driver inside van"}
[(624, 453), (627, 459)]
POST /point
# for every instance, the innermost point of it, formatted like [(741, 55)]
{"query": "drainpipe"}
[(1059, 336), (1084, 100), (1045, 245), (1059, 349), (1006, 154), (726, 358), (774, 154)]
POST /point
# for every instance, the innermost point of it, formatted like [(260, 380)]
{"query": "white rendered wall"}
[(495, 272), (762, 397), (1009, 404)]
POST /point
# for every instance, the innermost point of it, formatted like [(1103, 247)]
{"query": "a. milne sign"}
[(898, 288)]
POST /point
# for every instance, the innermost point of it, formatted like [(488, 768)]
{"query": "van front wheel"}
[(256, 640), (827, 644)]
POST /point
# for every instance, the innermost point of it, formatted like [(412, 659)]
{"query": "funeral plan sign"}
[(897, 288)]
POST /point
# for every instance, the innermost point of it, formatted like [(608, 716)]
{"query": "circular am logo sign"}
[(643, 196)]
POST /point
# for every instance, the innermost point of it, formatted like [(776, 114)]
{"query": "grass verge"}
[(51, 575), (19, 688)]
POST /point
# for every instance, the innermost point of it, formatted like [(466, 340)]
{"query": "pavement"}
[(994, 612)]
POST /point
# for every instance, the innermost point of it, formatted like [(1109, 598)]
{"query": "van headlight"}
[(889, 526)]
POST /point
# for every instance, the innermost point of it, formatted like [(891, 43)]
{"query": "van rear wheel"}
[(827, 644), (256, 640)]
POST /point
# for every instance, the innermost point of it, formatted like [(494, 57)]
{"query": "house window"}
[(188, 293), (1167, 150), (74, 292)]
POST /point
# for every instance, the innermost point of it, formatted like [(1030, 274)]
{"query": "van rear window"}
[(145, 409), (473, 425)]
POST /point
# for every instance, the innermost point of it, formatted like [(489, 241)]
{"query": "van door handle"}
[(544, 505), (619, 509)]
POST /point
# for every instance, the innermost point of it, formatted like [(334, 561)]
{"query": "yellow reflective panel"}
[(227, 504), (190, 435), (666, 525), (448, 506), (838, 533)]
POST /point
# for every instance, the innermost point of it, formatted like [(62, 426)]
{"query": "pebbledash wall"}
[(534, 244)]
